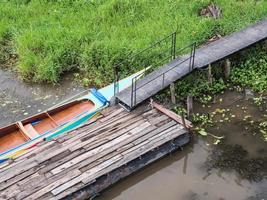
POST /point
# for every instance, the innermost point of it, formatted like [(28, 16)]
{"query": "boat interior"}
[(30, 128)]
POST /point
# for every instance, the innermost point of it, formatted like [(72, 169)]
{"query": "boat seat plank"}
[(30, 131)]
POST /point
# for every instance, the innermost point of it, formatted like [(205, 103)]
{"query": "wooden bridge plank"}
[(204, 56)]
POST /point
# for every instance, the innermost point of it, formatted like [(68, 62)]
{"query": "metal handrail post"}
[(163, 77), (144, 50), (174, 46), (190, 61), (135, 92), (194, 53), (114, 83), (132, 93)]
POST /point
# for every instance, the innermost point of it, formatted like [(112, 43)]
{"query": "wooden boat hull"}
[(43, 123)]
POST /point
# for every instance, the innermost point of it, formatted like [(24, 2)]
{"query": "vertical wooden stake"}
[(214, 99), (189, 104), (183, 120), (227, 68), (209, 74), (265, 45), (172, 89)]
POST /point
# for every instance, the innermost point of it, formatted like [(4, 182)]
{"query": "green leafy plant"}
[(202, 119), (263, 129), (205, 99), (252, 71), (258, 100), (180, 110)]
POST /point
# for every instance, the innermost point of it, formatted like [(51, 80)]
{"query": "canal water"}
[(236, 168), (19, 100)]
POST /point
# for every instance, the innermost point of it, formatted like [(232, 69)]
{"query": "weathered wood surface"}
[(70, 162), (173, 71), (172, 115), (105, 181)]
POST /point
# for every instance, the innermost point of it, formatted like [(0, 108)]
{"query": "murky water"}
[(184, 175), (236, 168), (19, 100)]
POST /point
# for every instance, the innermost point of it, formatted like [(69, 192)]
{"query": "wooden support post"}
[(183, 120), (189, 104), (116, 85), (214, 98), (209, 74), (172, 115), (173, 97), (265, 45), (248, 94), (227, 68)]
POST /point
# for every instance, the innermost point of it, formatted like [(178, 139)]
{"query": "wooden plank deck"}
[(215, 51), (77, 163)]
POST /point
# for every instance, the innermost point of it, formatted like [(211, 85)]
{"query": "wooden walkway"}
[(87, 160), (215, 51)]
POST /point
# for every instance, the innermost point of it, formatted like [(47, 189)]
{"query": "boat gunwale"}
[(14, 126), (43, 114)]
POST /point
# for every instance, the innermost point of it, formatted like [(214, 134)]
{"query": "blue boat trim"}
[(99, 96)]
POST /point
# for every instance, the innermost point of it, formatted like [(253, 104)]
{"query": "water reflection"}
[(233, 169), (169, 179)]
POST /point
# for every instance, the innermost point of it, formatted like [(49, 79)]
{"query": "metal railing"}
[(164, 55), (191, 59)]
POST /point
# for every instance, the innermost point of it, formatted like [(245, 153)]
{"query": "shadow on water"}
[(236, 168)]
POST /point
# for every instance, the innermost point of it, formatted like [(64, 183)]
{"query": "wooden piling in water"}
[(172, 89), (227, 68), (209, 74), (189, 104), (265, 45)]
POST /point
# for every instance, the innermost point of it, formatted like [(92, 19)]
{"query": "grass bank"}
[(42, 39)]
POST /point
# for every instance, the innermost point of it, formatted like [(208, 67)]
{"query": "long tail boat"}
[(18, 138)]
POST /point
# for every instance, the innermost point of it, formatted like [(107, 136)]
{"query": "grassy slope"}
[(55, 36)]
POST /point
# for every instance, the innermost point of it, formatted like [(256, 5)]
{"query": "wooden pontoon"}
[(87, 160)]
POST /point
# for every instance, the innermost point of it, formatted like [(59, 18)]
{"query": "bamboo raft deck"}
[(85, 161)]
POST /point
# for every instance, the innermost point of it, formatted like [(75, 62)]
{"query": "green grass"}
[(52, 37)]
